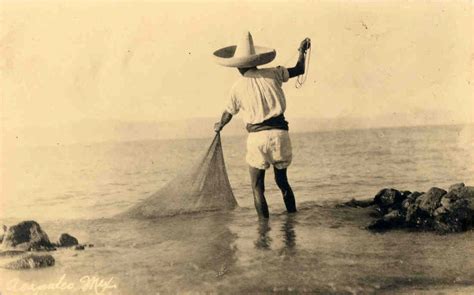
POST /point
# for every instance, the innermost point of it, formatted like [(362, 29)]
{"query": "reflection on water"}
[(289, 235), (263, 240), (287, 230)]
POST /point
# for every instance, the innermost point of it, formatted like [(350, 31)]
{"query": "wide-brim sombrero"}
[(244, 55)]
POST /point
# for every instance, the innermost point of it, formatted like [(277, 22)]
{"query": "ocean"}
[(78, 188)]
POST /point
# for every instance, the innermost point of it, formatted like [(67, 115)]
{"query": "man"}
[(259, 96)]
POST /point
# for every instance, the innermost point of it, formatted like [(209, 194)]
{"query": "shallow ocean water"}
[(322, 249)]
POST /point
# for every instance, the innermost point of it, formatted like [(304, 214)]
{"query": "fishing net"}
[(206, 187)]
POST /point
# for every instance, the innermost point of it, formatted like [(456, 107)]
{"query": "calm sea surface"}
[(77, 188)]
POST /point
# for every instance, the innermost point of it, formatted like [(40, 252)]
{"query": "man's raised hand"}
[(305, 45)]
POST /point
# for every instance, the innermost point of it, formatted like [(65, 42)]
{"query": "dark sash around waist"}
[(277, 122)]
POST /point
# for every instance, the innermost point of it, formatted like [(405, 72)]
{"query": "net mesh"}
[(206, 187)]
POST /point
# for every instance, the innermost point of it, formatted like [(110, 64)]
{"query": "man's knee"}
[(258, 186), (257, 178)]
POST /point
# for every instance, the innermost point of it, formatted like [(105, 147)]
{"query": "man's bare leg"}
[(288, 196), (257, 179)]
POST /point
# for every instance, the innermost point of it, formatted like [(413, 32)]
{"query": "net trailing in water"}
[(206, 187)]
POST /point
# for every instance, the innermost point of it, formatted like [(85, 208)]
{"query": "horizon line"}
[(232, 135)]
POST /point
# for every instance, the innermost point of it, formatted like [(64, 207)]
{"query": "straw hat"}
[(244, 54)]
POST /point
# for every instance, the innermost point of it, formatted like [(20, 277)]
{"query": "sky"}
[(67, 61)]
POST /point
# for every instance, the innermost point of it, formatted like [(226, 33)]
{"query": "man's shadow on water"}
[(287, 230)]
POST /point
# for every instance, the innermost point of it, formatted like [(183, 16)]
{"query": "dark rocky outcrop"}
[(21, 241), (456, 186), (79, 247), (30, 261), (420, 211), (26, 235), (429, 201), (410, 199), (66, 240), (456, 210), (437, 209), (393, 219), (4, 229), (388, 198)]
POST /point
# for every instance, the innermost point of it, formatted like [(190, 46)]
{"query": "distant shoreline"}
[(123, 132)]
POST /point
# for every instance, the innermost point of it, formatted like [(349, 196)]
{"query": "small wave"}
[(117, 183), (307, 205), (169, 214), (403, 161)]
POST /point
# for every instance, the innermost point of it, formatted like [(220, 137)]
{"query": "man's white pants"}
[(269, 147)]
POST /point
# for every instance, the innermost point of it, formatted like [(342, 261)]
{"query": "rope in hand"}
[(301, 79)]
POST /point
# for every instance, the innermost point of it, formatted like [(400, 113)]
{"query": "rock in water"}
[(379, 225), (454, 217), (462, 193), (410, 199), (26, 235), (405, 194), (431, 200), (456, 186), (420, 212), (393, 219), (4, 229), (436, 209), (388, 198), (79, 247), (456, 212), (31, 261), (66, 240), (467, 193)]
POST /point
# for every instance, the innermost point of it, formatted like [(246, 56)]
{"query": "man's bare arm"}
[(226, 117), (299, 68)]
